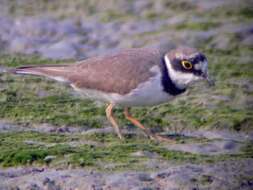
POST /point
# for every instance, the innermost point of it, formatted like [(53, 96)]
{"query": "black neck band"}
[(168, 85)]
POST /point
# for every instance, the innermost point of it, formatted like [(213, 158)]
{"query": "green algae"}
[(33, 147)]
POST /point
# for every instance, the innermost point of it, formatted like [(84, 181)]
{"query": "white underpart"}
[(60, 79), (180, 79), (27, 72), (198, 66), (146, 94)]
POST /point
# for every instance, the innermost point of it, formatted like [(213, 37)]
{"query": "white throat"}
[(180, 79)]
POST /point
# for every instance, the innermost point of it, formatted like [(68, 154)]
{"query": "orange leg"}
[(137, 123), (109, 114), (147, 132)]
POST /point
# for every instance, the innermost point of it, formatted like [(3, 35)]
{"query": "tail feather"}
[(56, 72)]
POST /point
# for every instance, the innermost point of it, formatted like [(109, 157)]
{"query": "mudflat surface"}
[(196, 160), (50, 138), (189, 176)]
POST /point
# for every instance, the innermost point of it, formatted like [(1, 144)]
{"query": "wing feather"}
[(118, 73)]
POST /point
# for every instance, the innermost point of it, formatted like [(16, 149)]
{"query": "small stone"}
[(163, 175), (49, 158), (50, 184), (229, 145), (63, 130), (144, 177), (144, 154), (46, 180), (34, 187), (31, 142)]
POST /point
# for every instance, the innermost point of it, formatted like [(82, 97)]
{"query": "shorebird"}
[(128, 78)]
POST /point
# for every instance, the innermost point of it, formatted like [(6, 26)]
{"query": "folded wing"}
[(118, 73)]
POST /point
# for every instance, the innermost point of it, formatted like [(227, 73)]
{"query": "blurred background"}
[(50, 133), (62, 29)]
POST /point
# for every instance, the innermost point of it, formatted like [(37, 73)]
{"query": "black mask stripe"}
[(167, 83)]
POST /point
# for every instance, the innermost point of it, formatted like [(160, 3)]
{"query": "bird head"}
[(186, 66)]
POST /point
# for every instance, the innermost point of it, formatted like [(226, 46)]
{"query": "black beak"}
[(208, 79)]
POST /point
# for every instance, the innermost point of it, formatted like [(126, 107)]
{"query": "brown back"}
[(118, 73)]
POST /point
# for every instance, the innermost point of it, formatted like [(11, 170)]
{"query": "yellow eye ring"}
[(186, 64)]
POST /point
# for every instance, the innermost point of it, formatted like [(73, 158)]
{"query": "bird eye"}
[(186, 64)]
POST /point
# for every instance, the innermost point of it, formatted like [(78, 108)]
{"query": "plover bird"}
[(132, 77)]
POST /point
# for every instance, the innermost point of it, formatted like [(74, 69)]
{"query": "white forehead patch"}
[(198, 66), (201, 66)]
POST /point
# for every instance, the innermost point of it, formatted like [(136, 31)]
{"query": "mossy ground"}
[(31, 100), (33, 147)]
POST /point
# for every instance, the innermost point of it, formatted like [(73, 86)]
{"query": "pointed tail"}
[(56, 72)]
